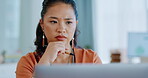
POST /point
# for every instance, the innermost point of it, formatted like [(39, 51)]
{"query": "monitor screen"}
[(138, 44)]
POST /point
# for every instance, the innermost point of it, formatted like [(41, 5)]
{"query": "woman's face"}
[(59, 23)]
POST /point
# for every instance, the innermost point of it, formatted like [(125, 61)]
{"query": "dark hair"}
[(40, 49)]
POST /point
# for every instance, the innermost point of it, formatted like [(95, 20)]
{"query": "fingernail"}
[(59, 52), (66, 48)]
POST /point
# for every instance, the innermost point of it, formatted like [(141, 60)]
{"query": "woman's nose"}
[(61, 29)]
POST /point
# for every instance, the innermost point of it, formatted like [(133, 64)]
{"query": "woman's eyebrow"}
[(68, 18), (54, 17), (61, 18)]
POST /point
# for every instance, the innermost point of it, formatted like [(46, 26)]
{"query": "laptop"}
[(92, 71)]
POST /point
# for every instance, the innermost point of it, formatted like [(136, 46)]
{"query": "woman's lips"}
[(61, 38)]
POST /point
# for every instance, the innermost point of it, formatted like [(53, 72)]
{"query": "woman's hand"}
[(54, 52), (53, 49)]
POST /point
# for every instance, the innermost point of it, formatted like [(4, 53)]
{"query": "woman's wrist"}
[(44, 63), (44, 60)]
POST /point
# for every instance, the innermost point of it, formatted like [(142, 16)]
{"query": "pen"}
[(69, 53)]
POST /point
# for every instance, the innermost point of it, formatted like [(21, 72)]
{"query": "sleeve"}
[(25, 68), (96, 59)]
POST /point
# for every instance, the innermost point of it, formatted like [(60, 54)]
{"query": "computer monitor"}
[(92, 71), (138, 44)]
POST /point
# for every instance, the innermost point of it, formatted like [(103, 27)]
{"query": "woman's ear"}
[(41, 24)]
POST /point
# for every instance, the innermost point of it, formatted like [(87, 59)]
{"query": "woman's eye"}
[(53, 22), (68, 22)]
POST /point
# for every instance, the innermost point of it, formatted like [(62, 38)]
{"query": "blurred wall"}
[(103, 24), (29, 16), (113, 20), (85, 39)]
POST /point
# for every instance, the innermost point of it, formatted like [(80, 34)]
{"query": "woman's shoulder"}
[(86, 56), (30, 55), (29, 58), (83, 50)]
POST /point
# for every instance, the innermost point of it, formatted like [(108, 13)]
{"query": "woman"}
[(56, 39)]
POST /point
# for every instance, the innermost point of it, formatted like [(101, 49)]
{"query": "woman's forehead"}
[(61, 10), (64, 18)]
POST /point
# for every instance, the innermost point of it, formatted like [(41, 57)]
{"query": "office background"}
[(104, 25)]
